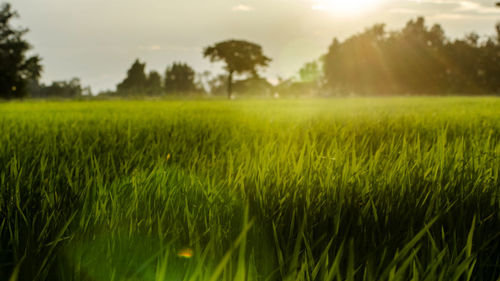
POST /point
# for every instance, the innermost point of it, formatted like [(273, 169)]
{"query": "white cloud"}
[(243, 8)]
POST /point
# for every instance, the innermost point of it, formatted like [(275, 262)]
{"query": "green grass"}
[(339, 189)]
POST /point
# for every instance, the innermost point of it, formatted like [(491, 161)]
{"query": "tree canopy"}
[(414, 60), (240, 57), (153, 84), (310, 72), (179, 78), (16, 69), (136, 80)]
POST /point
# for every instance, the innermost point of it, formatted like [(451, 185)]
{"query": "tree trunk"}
[(230, 84)]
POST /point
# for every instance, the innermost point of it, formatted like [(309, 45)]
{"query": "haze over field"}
[(97, 40), (186, 162)]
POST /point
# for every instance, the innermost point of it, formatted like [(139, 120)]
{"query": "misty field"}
[(319, 189)]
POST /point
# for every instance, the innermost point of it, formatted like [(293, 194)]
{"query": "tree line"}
[(415, 60), (240, 58), (178, 78)]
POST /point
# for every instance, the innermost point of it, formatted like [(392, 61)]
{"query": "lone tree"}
[(136, 80), (240, 57), (16, 70)]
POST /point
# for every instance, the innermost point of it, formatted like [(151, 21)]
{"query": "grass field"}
[(334, 189)]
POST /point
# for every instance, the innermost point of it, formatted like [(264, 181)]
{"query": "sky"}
[(97, 40)]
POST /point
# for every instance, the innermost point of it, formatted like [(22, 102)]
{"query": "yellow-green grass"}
[(319, 189)]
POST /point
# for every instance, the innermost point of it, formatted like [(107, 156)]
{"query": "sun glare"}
[(345, 7)]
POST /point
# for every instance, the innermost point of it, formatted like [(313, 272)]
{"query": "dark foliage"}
[(241, 57), (179, 78), (59, 89), (15, 68), (136, 81), (153, 84)]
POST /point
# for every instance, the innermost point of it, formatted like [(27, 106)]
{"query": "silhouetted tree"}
[(240, 57), (136, 80), (16, 70), (65, 89), (153, 84), (179, 78)]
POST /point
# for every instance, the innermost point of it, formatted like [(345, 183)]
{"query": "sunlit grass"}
[(341, 189)]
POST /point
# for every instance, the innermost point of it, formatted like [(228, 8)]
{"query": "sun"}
[(345, 7)]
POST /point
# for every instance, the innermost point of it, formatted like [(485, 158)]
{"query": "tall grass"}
[(344, 189)]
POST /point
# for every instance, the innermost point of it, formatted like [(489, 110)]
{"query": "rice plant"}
[(334, 189)]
